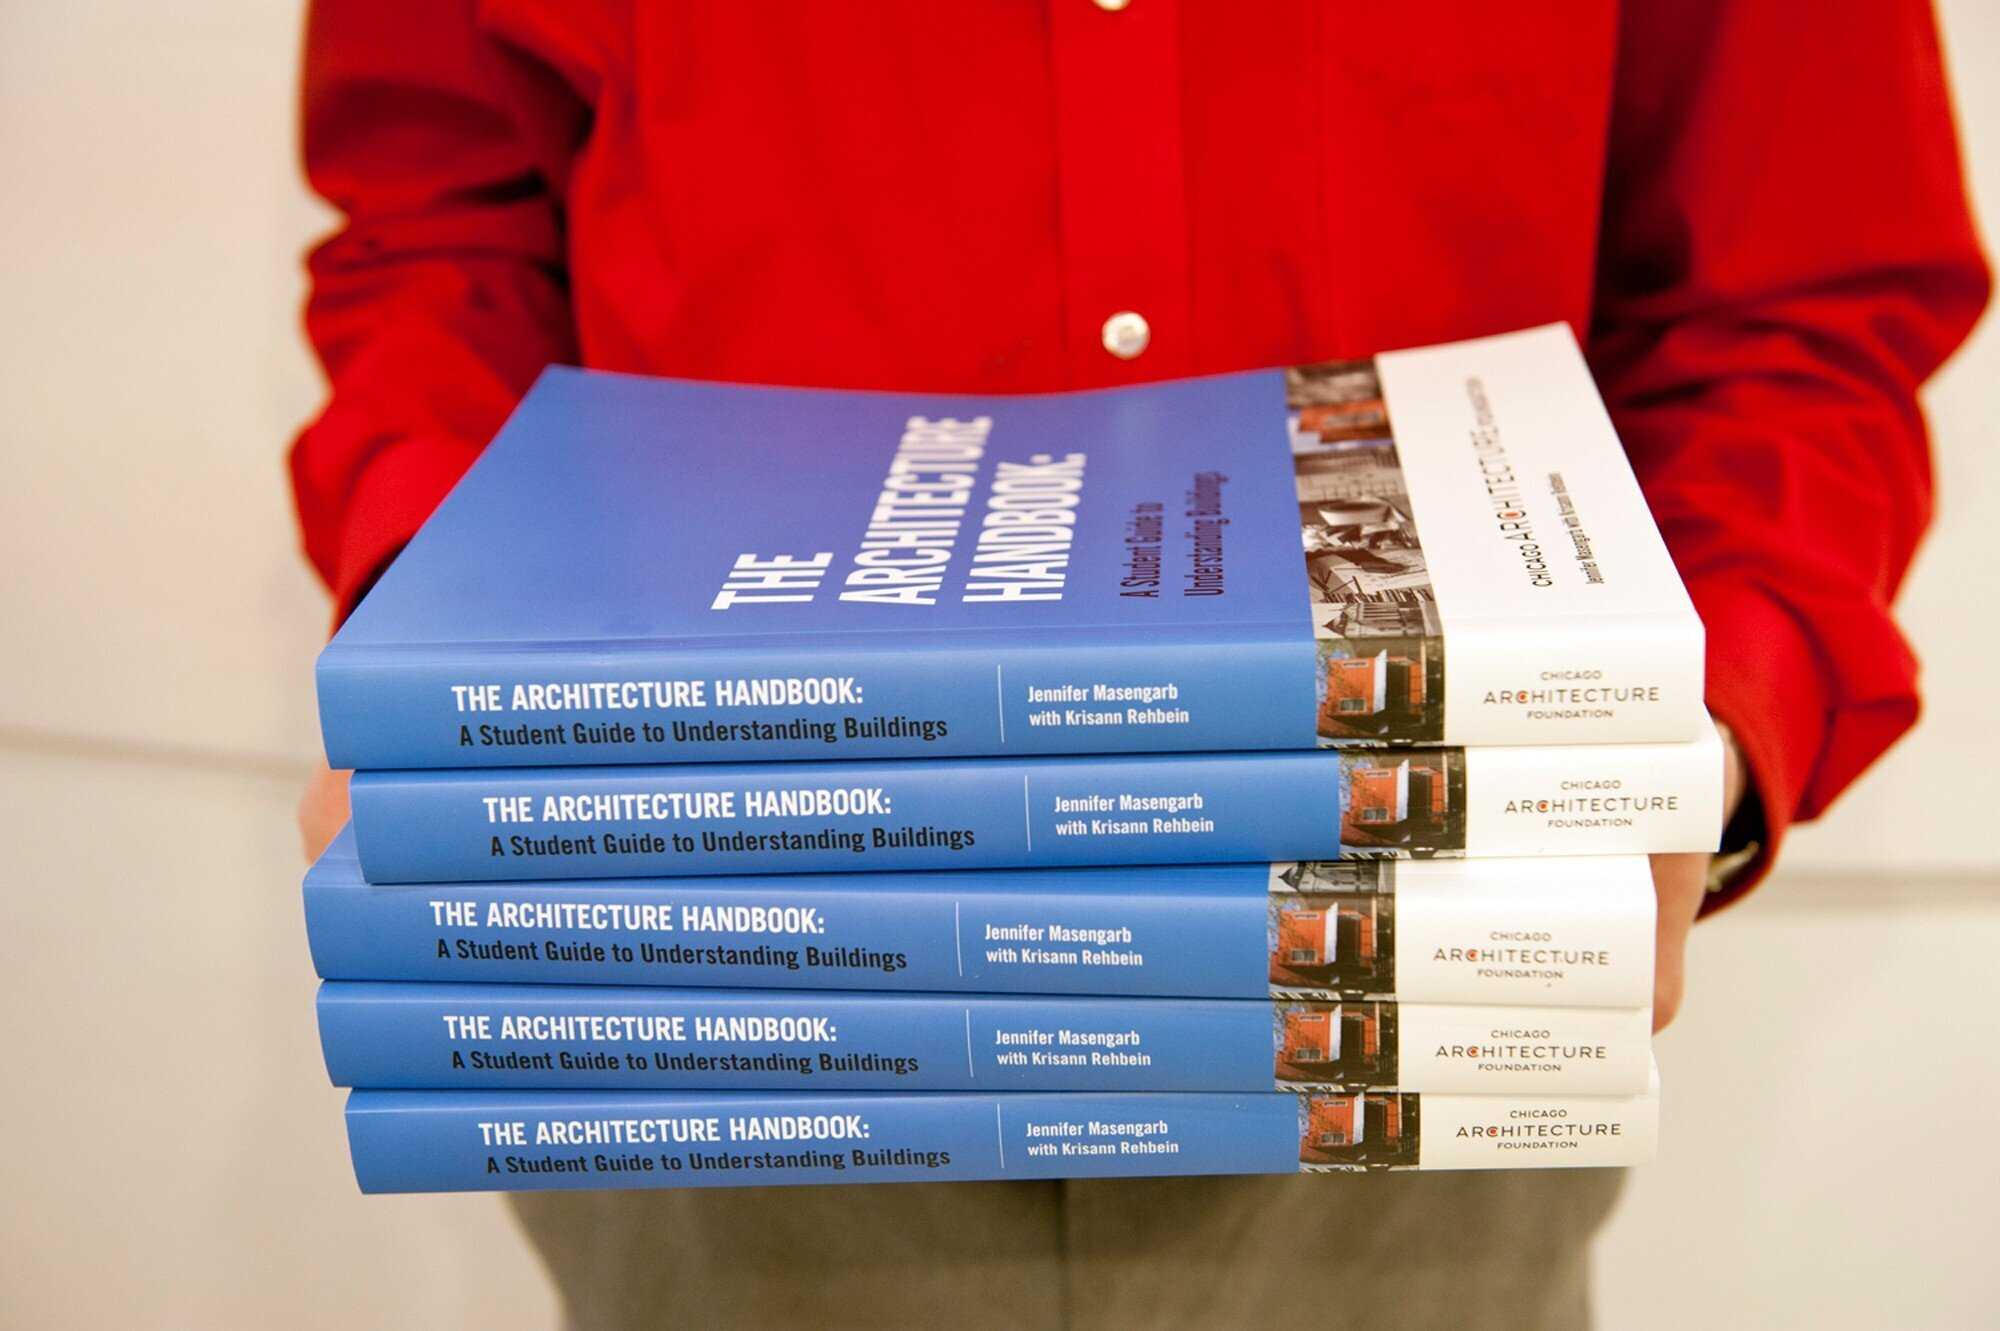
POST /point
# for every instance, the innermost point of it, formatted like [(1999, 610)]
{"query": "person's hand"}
[(322, 810), (1679, 884)]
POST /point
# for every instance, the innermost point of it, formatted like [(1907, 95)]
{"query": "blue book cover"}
[(500, 824), (643, 571), (1574, 931), (489, 1036), (480, 1141)]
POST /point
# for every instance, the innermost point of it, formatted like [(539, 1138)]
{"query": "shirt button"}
[(1112, 6), (1126, 334)]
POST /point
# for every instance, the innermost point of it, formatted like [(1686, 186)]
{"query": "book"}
[(440, 1036), (1574, 931), (498, 824), (476, 1141), (654, 571)]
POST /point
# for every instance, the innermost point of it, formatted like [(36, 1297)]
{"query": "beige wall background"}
[(173, 1158)]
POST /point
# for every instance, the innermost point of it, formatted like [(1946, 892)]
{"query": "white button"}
[(1112, 6), (1126, 334)]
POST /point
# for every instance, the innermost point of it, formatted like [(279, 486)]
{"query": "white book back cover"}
[(1562, 616)]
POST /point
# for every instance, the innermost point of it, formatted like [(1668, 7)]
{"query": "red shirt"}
[(1752, 212)]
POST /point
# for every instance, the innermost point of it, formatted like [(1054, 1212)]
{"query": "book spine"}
[(1170, 692), (418, 1141), (429, 1036), (495, 825), (1576, 932)]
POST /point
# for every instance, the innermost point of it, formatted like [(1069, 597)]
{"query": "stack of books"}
[(1250, 774)]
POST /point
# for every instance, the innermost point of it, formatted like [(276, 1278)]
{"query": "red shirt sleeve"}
[(443, 293), (1786, 255)]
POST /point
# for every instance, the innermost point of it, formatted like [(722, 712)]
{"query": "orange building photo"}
[(1338, 944), (1377, 1130), (1410, 801), (1335, 1044), (1381, 668)]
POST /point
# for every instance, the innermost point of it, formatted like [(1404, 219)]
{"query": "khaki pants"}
[(1457, 1250)]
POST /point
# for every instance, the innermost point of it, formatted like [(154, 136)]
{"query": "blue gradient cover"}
[(456, 1141), (429, 1036), (1154, 530), (475, 824)]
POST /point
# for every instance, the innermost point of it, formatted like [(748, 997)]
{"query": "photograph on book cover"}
[(1380, 677), (1334, 1044), (1351, 1133), (1402, 802), (1327, 941)]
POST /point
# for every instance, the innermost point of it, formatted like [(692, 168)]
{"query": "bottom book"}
[(470, 1141)]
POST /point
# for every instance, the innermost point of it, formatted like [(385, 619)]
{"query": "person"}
[(1752, 214)]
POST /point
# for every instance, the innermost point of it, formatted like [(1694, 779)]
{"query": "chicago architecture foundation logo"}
[(1593, 802)]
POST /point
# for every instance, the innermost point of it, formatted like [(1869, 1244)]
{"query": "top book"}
[(642, 570)]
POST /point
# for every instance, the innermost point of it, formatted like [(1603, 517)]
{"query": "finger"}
[(1679, 882), (322, 811)]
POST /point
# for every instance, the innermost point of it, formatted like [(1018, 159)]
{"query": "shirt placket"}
[(1123, 210)]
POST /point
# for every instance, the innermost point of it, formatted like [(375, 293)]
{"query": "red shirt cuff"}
[(1765, 684), (398, 490)]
